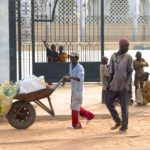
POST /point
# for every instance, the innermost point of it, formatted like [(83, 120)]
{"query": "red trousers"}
[(83, 113)]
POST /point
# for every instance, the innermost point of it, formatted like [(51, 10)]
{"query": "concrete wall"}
[(4, 41)]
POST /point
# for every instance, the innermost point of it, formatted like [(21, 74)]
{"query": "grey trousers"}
[(124, 100), (103, 96)]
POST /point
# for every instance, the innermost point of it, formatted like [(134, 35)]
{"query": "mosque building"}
[(86, 26)]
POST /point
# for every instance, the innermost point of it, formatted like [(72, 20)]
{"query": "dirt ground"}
[(51, 133)]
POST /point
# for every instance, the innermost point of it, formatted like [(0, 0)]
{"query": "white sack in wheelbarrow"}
[(31, 84), (7, 92)]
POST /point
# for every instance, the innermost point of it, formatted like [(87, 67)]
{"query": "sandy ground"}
[(51, 133)]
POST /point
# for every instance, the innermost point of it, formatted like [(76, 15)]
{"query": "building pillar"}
[(134, 11), (4, 42), (147, 13), (82, 5)]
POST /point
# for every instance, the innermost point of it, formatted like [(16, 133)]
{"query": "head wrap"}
[(123, 42)]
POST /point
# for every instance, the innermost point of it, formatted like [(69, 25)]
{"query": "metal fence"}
[(75, 24)]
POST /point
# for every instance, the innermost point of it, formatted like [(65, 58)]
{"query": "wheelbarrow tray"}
[(36, 95)]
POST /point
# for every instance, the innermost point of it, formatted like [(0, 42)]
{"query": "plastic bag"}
[(31, 84), (5, 106), (7, 92)]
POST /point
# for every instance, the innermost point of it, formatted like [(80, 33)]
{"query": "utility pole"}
[(102, 28)]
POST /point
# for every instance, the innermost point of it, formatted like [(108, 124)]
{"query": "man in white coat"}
[(76, 76)]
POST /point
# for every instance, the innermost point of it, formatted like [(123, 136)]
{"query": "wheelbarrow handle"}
[(57, 85)]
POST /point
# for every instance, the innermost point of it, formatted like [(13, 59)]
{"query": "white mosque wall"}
[(4, 42)]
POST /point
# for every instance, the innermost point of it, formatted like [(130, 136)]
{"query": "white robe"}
[(76, 86)]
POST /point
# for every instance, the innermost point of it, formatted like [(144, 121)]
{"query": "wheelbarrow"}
[(22, 113)]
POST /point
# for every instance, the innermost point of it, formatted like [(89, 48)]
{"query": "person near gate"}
[(62, 56), (138, 64), (104, 76), (76, 76), (51, 53), (145, 91), (120, 69), (48, 50)]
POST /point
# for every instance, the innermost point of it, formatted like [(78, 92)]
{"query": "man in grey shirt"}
[(121, 67)]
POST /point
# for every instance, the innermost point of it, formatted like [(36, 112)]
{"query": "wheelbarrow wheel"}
[(21, 116)]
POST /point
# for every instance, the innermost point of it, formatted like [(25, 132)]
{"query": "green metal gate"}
[(78, 25), (74, 24)]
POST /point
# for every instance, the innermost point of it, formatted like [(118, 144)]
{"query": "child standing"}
[(138, 64), (104, 76)]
